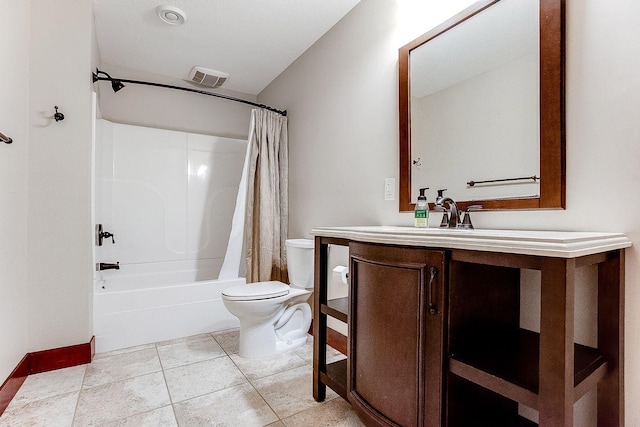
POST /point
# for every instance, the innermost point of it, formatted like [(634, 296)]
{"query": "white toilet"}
[(275, 317)]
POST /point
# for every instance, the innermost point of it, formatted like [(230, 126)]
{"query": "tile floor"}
[(192, 381)]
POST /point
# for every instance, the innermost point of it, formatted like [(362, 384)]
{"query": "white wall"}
[(342, 99), (45, 222), (341, 96), (14, 85), (172, 109), (59, 196)]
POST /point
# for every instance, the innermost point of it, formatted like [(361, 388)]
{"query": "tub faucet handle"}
[(107, 235), (101, 235)]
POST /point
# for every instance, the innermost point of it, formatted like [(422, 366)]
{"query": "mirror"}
[(482, 99)]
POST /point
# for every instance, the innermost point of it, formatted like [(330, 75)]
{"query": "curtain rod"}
[(118, 84)]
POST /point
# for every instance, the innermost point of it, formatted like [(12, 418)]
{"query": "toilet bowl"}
[(275, 317)]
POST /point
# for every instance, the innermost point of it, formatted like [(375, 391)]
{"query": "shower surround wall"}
[(168, 197)]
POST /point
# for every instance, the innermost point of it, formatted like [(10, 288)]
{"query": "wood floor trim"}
[(11, 386), (63, 357), (44, 361)]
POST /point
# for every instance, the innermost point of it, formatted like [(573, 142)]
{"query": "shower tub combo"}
[(168, 198)]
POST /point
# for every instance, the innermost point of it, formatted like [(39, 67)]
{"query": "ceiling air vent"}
[(206, 77)]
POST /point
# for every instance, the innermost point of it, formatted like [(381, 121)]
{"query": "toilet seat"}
[(256, 291)]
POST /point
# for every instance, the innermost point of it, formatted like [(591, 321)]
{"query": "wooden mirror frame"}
[(552, 111)]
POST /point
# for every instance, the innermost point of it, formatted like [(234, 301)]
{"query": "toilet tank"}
[(300, 262)]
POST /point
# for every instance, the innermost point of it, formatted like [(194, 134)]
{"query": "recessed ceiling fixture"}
[(171, 15)]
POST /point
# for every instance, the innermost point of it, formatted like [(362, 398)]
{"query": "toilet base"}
[(249, 352), (287, 331), (284, 346)]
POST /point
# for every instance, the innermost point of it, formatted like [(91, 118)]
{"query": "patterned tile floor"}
[(192, 381)]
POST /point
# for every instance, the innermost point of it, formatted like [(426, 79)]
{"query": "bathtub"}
[(128, 312)]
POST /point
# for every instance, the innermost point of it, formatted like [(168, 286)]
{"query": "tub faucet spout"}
[(107, 266)]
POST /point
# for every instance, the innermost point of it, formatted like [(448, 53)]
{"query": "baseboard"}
[(63, 357), (44, 361), (11, 386)]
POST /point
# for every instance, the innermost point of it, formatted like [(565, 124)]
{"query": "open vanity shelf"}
[(508, 365), (434, 326), (337, 308), (333, 374)]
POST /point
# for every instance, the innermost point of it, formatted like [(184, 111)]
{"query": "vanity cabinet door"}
[(396, 334)]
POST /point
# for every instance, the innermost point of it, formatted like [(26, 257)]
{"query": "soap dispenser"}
[(421, 212)]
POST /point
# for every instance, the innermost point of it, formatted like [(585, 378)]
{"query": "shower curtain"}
[(267, 206)]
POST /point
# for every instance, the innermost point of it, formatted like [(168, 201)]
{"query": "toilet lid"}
[(253, 291)]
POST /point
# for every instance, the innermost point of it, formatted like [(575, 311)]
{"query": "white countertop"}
[(562, 244)]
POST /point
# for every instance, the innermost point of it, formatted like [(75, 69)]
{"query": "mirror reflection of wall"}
[(475, 105)]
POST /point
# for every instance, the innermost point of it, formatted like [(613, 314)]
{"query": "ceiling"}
[(251, 40)]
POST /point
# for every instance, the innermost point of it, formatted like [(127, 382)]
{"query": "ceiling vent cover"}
[(206, 77)]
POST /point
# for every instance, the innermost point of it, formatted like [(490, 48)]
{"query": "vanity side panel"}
[(320, 319), (611, 338)]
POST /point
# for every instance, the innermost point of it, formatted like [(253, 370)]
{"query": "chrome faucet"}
[(451, 217)]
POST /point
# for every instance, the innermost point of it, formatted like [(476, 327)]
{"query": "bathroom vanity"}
[(434, 326)]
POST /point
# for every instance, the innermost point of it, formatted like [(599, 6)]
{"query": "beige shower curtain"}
[(267, 210)]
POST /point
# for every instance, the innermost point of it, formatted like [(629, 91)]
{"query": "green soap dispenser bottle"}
[(421, 212)]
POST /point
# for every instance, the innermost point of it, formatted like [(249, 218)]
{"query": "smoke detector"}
[(171, 15), (206, 77)]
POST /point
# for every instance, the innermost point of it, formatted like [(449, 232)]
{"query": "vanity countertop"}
[(561, 244)]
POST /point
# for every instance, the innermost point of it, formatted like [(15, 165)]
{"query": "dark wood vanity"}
[(434, 326)]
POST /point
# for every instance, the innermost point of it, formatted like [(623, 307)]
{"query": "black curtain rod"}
[(117, 84)]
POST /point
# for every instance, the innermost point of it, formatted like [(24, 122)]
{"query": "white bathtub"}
[(126, 318)]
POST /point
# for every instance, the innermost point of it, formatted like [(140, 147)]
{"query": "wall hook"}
[(417, 162), (5, 138), (58, 116)]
